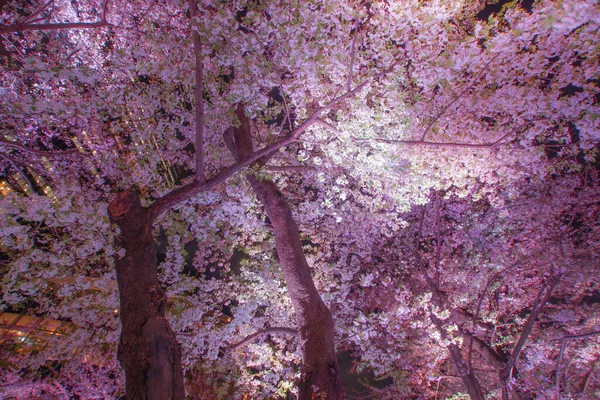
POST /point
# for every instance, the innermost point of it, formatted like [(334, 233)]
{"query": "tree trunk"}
[(320, 377), (148, 348), (464, 372)]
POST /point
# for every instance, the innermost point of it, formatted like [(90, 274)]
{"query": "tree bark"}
[(148, 348), (320, 375)]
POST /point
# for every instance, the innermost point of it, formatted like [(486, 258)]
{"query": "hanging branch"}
[(55, 26), (199, 90), (563, 343), (273, 329)]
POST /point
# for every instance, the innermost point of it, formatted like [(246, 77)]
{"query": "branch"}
[(265, 331), (535, 312), (438, 144), (287, 112), (181, 194), (19, 171), (55, 26), (493, 144), (329, 126), (437, 296), (438, 238), (490, 355), (36, 12), (349, 81), (199, 90), (278, 168), (447, 106), (467, 375), (46, 153), (563, 343), (482, 296), (52, 26), (588, 377)]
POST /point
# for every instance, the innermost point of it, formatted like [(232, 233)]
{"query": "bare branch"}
[(489, 354), (105, 10), (563, 343), (249, 338)]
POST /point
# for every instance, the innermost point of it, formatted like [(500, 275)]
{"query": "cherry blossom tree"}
[(438, 158)]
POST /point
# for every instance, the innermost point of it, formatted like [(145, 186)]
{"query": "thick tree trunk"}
[(148, 348), (320, 377)]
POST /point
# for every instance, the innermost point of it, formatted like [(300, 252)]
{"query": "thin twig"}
[(482, 296), (349, 80), (287, 113), (277, 168), (52, 26), (465, 90), (180, 194), (563, 343), (46, 153), (588, 377), (425, 143), (249, 338), (437, 237), (23, 26), (538, 306), (199, 90), (439, 144), (19, 171), (29, 18)]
